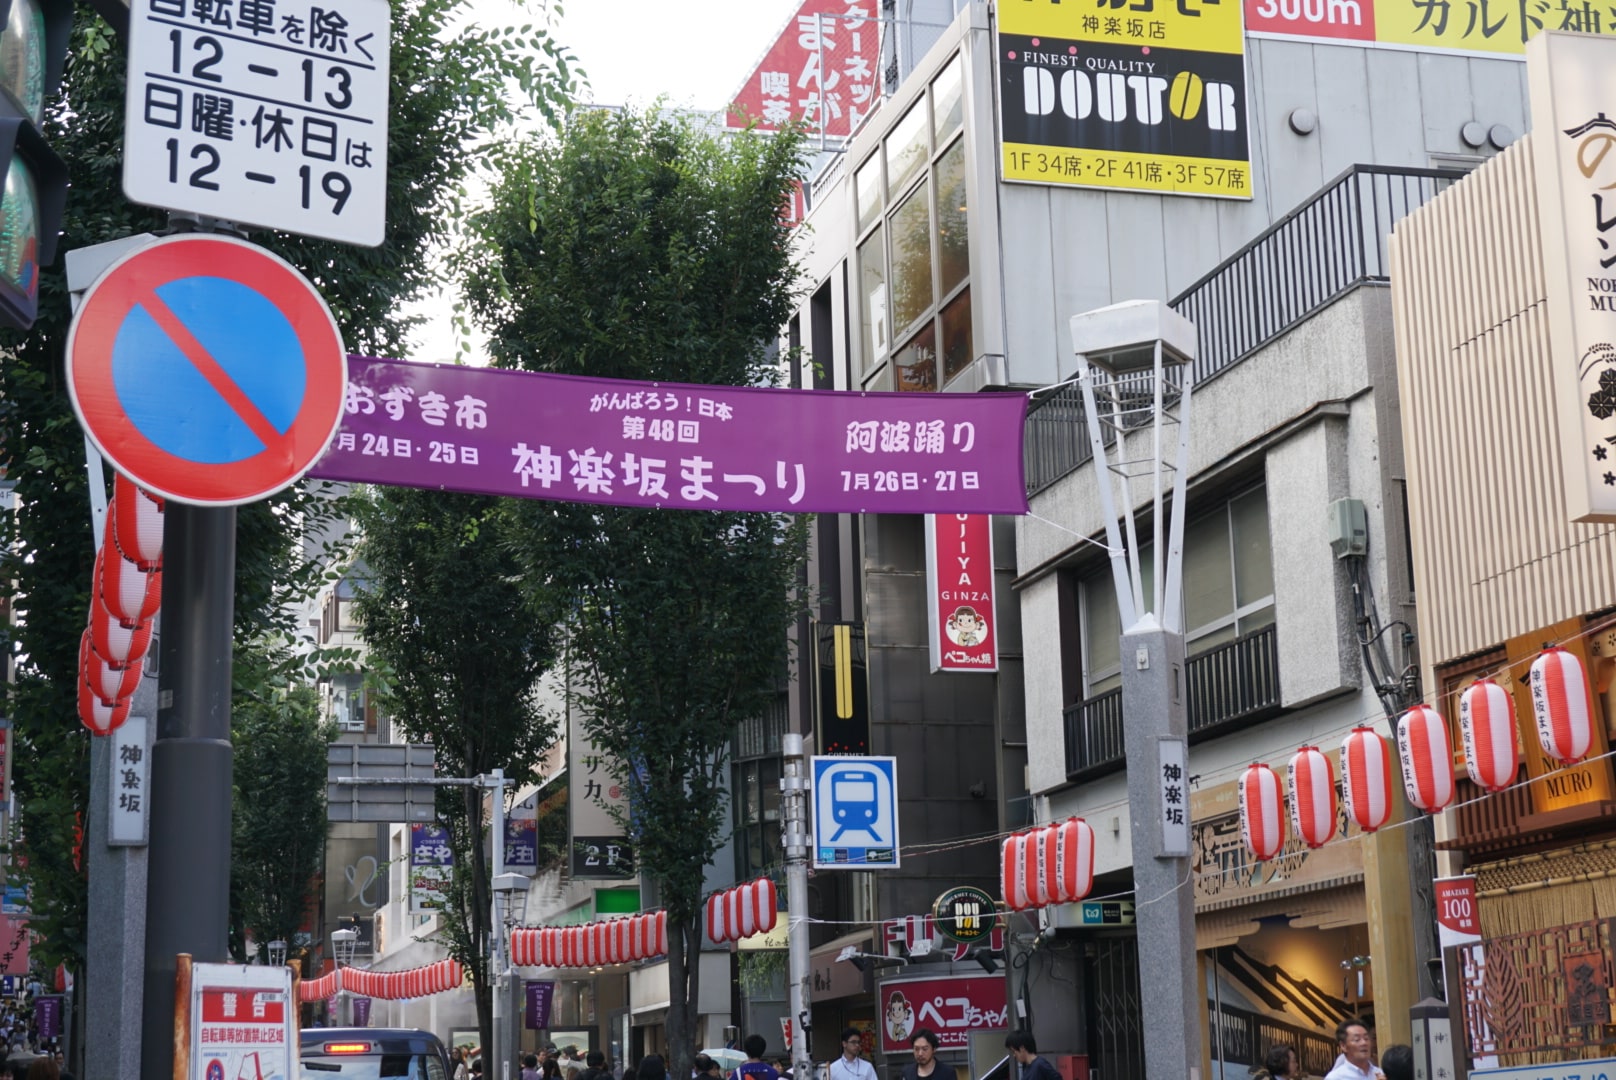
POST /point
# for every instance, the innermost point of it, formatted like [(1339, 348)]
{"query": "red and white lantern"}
[(1262, 812), (99, 716), (1487, 725), (1366, 774), (1426, 755), (1011, 883), (135, 525), (1052, 864), (1074, 857), (1312, 797), (1561, 705), (113, 641), (661, 933), (110, 683), (130, 596)]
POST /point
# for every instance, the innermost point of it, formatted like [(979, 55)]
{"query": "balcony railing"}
[(1331, 244), (1229, 686)]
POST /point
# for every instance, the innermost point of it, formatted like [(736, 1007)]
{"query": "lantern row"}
[(1052, 864), (742, 911), (615, 941), (435, 978), (1562, 708), (125, 594)]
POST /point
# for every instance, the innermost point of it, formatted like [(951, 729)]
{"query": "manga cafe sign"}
[(1573, 139), (950, 1005), (959, 592)]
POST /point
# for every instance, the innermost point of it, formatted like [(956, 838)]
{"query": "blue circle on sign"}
[(244, 334)]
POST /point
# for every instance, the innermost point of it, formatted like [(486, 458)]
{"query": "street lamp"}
[(1134, 370), (277, 952), (343, 944), (510, 901)]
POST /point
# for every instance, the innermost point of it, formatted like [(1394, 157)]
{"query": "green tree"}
[(450, 98), (641, 246), (279, 826), (448, 621)]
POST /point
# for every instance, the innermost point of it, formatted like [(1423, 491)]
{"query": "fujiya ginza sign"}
[(1574, 153)]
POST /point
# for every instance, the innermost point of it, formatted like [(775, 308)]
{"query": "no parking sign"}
[(207, 370)]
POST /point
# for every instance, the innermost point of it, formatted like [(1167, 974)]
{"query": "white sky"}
[(696, 52)]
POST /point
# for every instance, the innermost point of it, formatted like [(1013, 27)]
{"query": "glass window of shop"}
[(914, 256)]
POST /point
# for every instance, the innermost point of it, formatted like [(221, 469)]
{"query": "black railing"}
[(1332, 243), (1231, 685), (1242, 1037)]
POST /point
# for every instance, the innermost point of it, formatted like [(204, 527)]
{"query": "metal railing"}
[(1234, 684), (1331, 244)]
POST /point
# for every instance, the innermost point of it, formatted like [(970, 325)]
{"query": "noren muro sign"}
[(1573, 139)]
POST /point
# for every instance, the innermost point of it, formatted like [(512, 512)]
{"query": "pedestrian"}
[(652, 1067), (595, 1067), (850, 1066), (462, 1071), (1397, 1062), (1024, 1048), (550, 1068), (572, 1062), (631, 1071), (754, 1067), (924, 1045), (1282, 1063), (476, 1068), (705, 1068), (530, 1067), (44, 1068), (1353, 1063)]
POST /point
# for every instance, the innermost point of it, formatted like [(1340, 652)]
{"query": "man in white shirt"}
[(851, 1066), (1352, 1038)]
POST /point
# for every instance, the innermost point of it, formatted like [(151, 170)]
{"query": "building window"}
[(1228, 588), (913, 252), (756, 801)]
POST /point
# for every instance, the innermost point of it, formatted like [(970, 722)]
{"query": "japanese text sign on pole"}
[(959, 592), (1573, 101), (206, 370), (242, 1022), (128, 800), (855, 812), (1175, 798), (431, 866), (824, 69), (261, 113), (1148, 95), (676, 445), (597, 805)]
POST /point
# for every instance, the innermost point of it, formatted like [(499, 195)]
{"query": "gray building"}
[(930, 272)]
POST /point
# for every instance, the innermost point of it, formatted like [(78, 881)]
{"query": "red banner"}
[(823, 68), (1456, 905), (959, 592), (951, 1006)]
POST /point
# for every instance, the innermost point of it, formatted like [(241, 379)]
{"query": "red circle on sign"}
[(130, 283)]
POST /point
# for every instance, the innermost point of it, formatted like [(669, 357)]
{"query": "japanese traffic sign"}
[(855, 812), (242, 1022), (263, 112), (206, 370)]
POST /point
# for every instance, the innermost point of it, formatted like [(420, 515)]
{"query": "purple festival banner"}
[(536, 1011), (677, 445)]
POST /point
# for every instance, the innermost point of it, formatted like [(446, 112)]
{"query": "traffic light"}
[(33, 50)]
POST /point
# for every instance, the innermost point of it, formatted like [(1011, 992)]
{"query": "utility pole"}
[(794, 829), (504, 1044)]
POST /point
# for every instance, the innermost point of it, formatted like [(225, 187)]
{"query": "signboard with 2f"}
[(263, 112)]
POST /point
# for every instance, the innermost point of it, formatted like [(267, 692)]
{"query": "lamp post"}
[(1134, 371), (511, 892), (277, 952), (343, 944)]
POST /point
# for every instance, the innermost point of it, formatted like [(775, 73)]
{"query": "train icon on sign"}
[(855, 811)]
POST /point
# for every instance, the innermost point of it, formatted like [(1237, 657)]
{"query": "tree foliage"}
[(449, 98), (448, 621), (641, 246)]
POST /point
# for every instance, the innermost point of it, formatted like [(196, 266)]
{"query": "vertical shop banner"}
[(1573, 134), (536, 1007), (48, 1017), (431, 866), (842, 688), (242, 1022), (521, 837), (1138, 95), (959, 592), (14, 942), (598, 807), (361, 1011), (5, 765), (823, 69)]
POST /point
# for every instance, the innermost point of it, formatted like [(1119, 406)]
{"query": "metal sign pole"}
[(794, 823)]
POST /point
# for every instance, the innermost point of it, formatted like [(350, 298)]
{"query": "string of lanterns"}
[(125, 594), (1051, 864), (614, 941), (1562, 708), (434, 978), (740, 912)]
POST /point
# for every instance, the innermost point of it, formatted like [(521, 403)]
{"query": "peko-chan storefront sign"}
[(676, 445), (952, 1006), (959, 592)]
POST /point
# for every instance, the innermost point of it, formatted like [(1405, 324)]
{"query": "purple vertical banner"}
[(521, 845), (361, 1012), (537, 1013), (48, 1017)]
